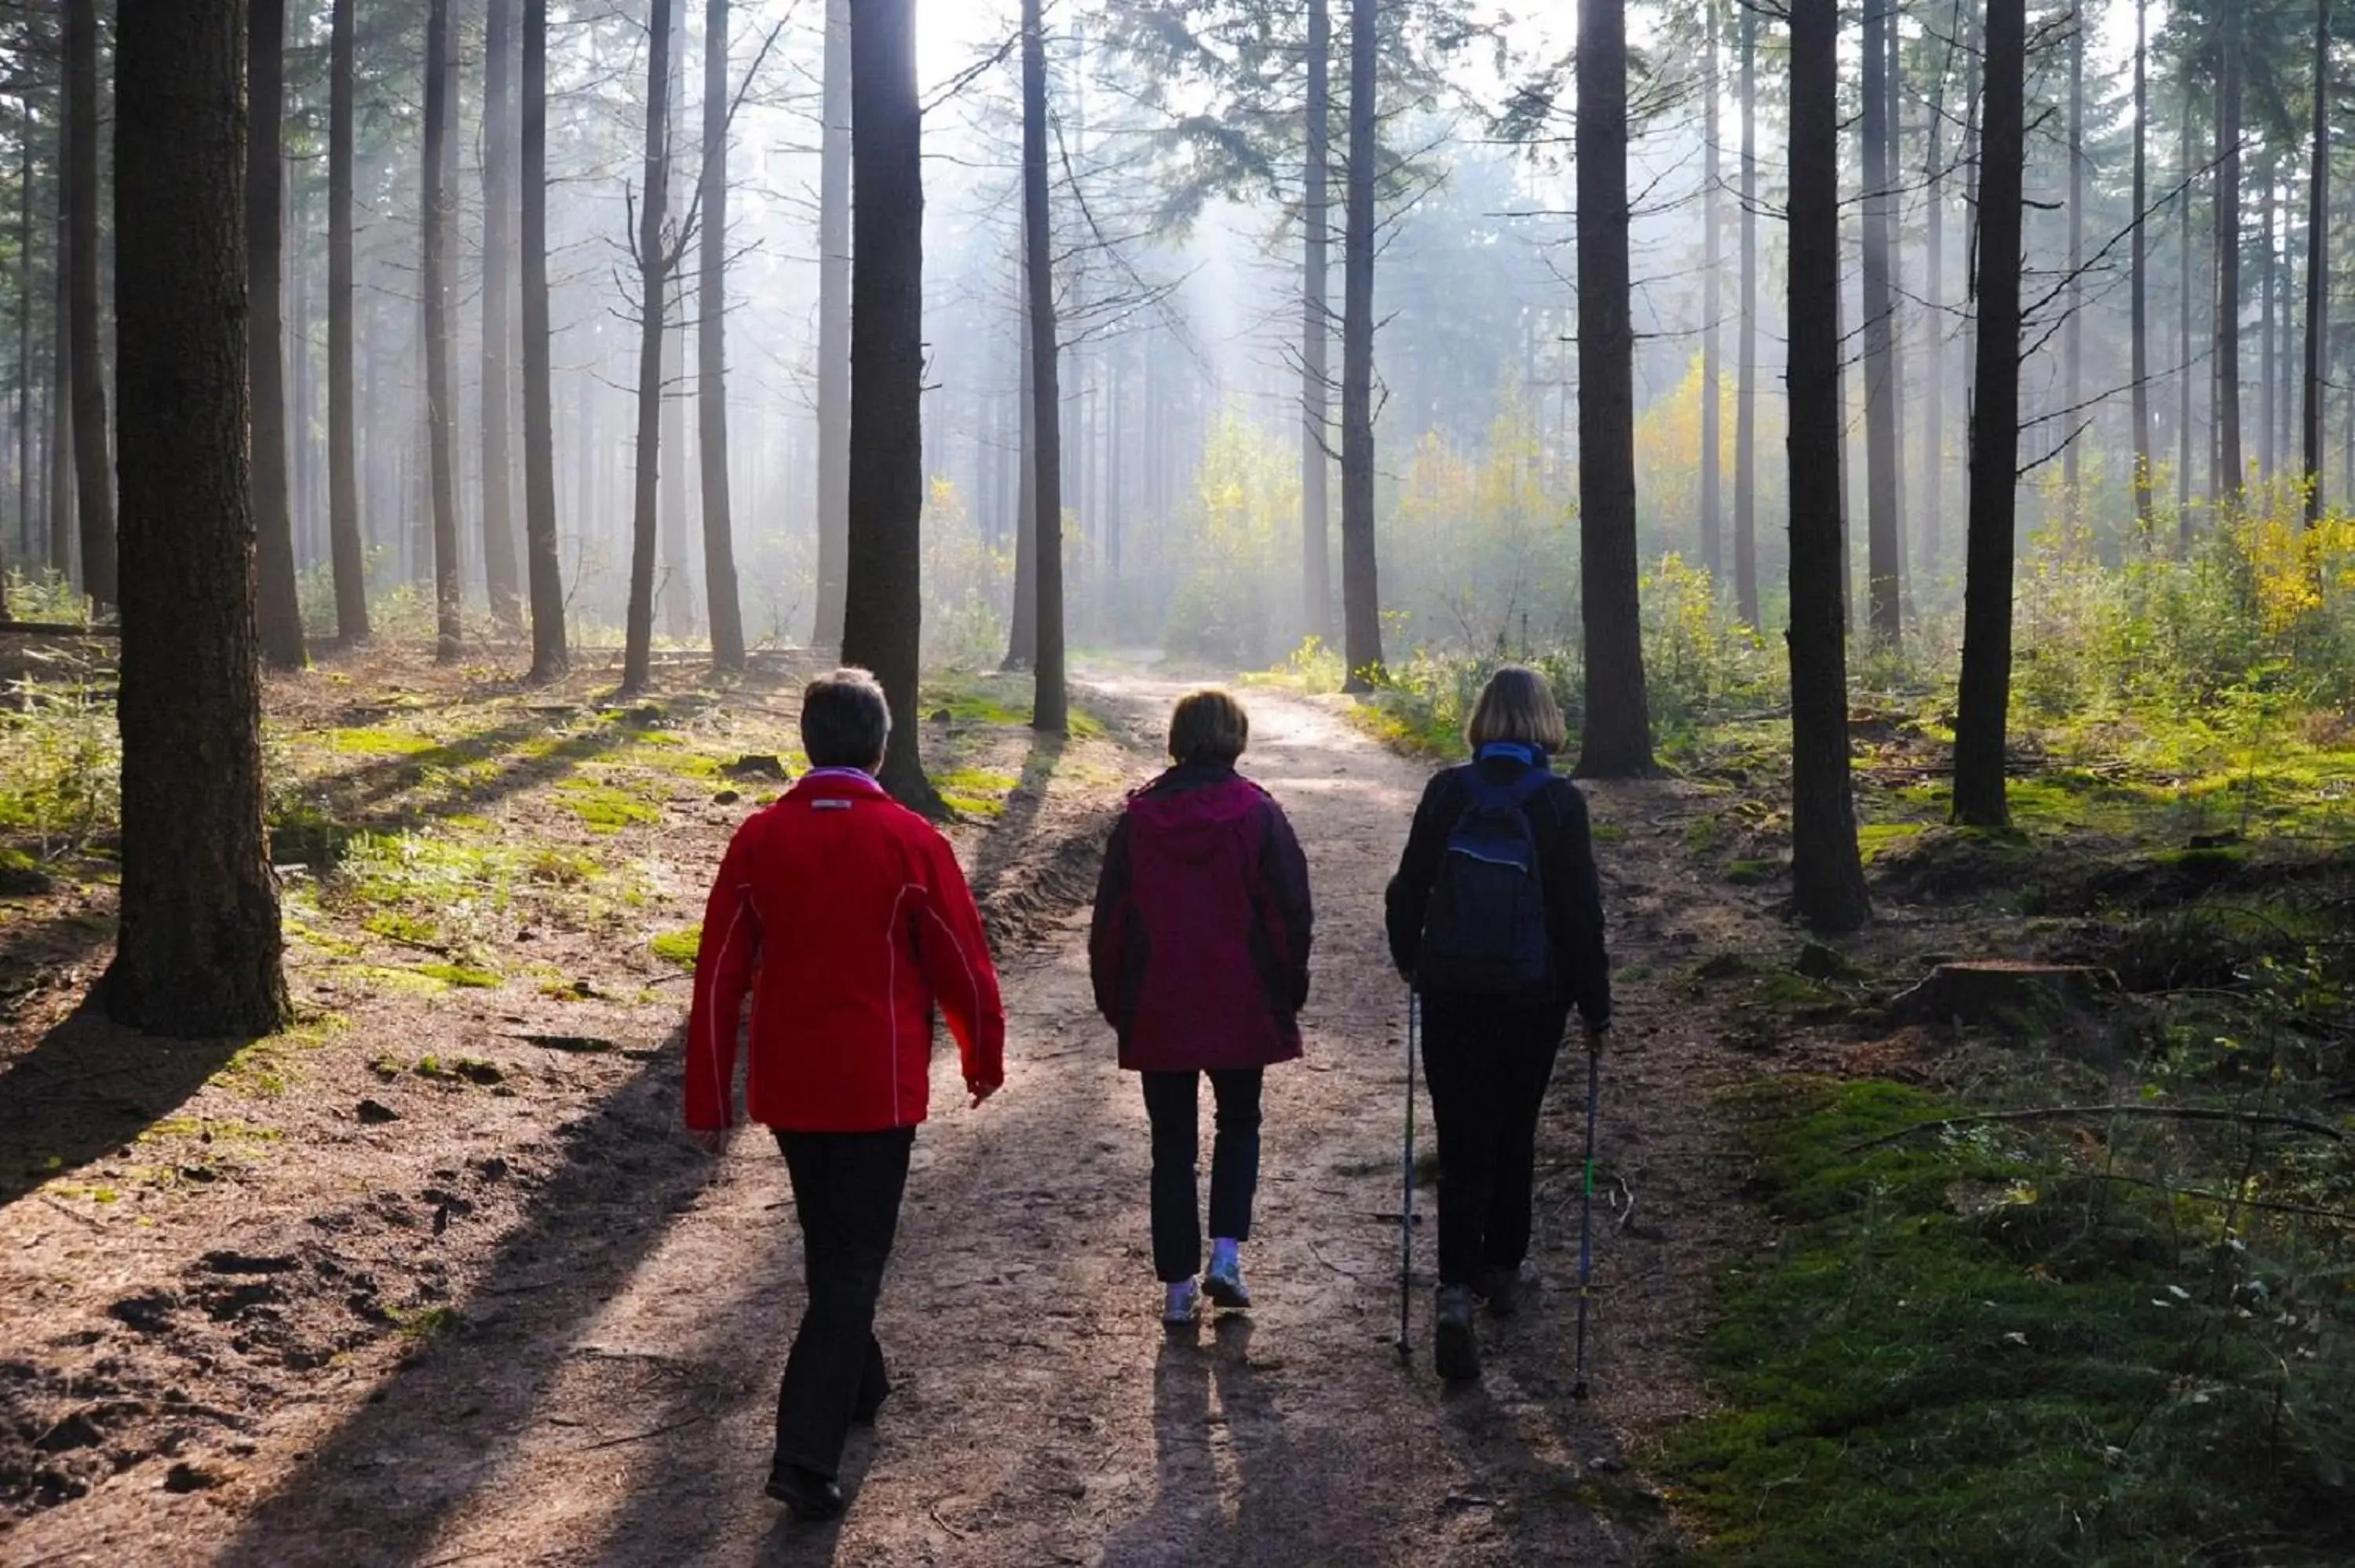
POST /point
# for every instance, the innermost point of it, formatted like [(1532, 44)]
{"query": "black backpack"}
[(1484, 930)]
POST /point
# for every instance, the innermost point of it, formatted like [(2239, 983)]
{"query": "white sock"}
[(1225, 1252)]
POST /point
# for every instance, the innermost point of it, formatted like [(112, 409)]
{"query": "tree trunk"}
[(1617, 739), (199, 950), (2139, 269), (279, 611), (93, 465), (1361, 607), (440, 115), (1979, 728), (2318, 270), (834, 327), (2266, 214), (1051, 711), (884, 606), (25, 535), (550, 657), (499, 561), (1934, 409), (343, 536), (654, 320), (676, 576), (1826, 872), (1316, 333), (1022, 635), (2073, 370), (1885, 608), (2183, 374), (711, 344), (1745, 410), (1712, 544), (2230, 476)]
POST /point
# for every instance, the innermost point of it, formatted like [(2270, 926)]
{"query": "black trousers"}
[(1488, 1062), (1171, 1104), (847, 1192)]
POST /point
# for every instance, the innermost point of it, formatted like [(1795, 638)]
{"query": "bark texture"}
[(441, 112), (1316, 333), (345, 541), (549, 655), (834, 327), (499, 562), (1361, 608), (93, 464), (725, 607), (654, 260), (281, 610), (1051, 707)]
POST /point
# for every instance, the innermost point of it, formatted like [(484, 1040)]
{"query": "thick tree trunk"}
[(712, 335), (2072, 367), (2230, 474), (2318, 270), (2139, 267), (1050, 709), (654, 320), (198, 952), (1617, 738), (1316, 333), (883, 619), (279, 611), (499, 560), (1745, 410), (1979, 728), (1885, 605), (1361, 605), (1712, 440), (93, 465), (345, 540), (1827, 874), (441, 114), (550, 657), (834, 327)]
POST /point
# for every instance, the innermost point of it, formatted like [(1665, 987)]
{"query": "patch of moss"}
[(374, 742), (679, 947), (1873, 838), (1752, 873), (461, 976), (605, 809), (395, 926), (423, 1324)]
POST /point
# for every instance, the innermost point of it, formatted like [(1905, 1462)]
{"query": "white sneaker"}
[(1184, 1306)]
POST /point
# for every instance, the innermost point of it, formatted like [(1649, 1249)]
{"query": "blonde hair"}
[(1209, 725), (1517, 707)]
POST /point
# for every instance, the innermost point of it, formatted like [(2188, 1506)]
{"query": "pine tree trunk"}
[(654, 320), (2267, 212), (279, 611), (675, 579), (441, 114), (1933, 403), (1712, 441), (1885, 606), (834, 327), (499, 560), (1745, 409), (545, 573), (884, 605), (25, 535), (344, 541), (2072, 369), (1316, 333), (1051, 711), (1979, 728), (2230, 473), (1827, 871), (2183, 341), (1361, 610), (198, 952), (2318, 270), (2139, 267), (726, 610), (1022, 633), (1617, 738), (93, 465)]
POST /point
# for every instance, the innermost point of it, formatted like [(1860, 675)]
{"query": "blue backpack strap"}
[(1516, 795)]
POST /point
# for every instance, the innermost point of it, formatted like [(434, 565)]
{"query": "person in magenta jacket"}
[(847, 919), (1199, 959)]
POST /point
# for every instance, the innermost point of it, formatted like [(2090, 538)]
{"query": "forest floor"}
[(432, 1280)]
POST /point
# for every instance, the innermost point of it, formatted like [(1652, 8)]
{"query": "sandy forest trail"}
[(610, 1398)]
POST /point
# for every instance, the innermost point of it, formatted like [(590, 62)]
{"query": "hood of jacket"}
[(1192, 810)]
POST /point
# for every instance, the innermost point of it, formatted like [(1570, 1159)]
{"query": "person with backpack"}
[(1496, 921), (846, 918), (1199, 959)]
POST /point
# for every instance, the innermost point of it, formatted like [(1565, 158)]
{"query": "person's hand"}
[(980, 1092), (712, 1141), (1597, 1036)]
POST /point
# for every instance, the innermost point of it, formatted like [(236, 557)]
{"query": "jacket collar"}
[(839, 784)]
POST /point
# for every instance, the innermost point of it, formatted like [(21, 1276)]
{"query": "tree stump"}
[(1984, 990)]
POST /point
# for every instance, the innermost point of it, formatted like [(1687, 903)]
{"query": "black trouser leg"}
[(1463, 1109), (1234, 1151), (1488, 1064), (1523, 1072), (847, 1193), (1170, 1105)]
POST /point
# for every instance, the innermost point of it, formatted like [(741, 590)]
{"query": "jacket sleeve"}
[(1108, 931), (725, 960), (1409, 891), (1576, 896), (954, 951), (1291, 915)]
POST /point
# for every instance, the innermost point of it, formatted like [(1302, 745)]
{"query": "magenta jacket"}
[(1199, 951)]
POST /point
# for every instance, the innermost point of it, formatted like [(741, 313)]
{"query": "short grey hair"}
[(846, 720)]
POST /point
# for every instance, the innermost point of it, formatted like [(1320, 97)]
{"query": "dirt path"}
[(610, 1398)]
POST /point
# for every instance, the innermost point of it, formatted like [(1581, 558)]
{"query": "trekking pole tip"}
[(1578, 1390)]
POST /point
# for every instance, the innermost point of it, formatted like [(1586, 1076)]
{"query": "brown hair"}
[(1517, 707), (1209, 725), (846, 720)]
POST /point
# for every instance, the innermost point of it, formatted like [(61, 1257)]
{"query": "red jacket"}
[(847, 918), (1200, 952)]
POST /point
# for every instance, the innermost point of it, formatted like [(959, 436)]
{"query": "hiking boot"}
[(807, 1496), (1454, 1348), (872, 1396), (1224, 1283), (1183, 1308), (1503, 1291)]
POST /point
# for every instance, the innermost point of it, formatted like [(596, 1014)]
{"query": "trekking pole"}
[(1586, 1216), (1406, 1177)]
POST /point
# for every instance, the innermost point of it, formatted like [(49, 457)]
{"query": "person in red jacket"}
[(847, 918), (1199, 959)]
